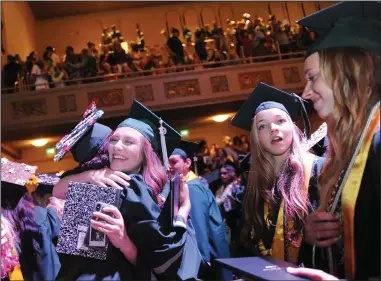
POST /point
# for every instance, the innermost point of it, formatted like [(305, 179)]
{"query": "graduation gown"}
[(209, 226), (162, 250), (358, 254), (272, 239), (48, 263), (207, 220)]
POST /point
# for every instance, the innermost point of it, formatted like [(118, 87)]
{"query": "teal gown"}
[(48, 263), (208, 224)]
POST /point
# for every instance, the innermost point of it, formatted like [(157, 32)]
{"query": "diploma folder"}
[(258, 268)]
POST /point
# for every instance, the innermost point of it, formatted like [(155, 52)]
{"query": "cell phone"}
[(175, 197), (97, 239)]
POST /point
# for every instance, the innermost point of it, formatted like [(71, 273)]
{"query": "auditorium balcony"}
[(186, 97)]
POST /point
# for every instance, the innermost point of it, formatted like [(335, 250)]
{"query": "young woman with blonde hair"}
[(344, 84), (282, 174)]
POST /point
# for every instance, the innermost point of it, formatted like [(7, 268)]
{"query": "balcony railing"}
[(185, 86), (23, 84)]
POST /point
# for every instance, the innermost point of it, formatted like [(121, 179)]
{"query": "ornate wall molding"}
[(182, 88), (219, 84), (249, 80), (291, 75), (144, 93), (67, 103), (29, 108), (107, 98)]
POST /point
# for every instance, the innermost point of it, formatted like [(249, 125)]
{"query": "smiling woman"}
[(146, 244), (125, 150)]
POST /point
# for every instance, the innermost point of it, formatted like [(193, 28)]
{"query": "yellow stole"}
[(16, 274), (277, 247), (190, 176), (350, 193)]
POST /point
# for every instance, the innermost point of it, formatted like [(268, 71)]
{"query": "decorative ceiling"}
[(51, 9)]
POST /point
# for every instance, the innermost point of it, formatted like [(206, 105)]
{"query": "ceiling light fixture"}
[(39, 142), (220, 118)]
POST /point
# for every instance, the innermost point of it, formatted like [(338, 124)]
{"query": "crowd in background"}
[(204, 47)]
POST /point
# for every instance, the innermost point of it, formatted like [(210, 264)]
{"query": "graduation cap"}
[(187, 149), (346, 24), (244, 162), (85, 139), (162, 136), (46, 182), (13, 179), (266, 97)]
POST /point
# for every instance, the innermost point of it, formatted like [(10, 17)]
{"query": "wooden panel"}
[(191, 18), (46, 9), (208, 15), (173, 20)]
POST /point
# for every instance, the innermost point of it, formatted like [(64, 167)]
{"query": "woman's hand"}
[(107, 177), (322, 229), (113, 227), (313, 274), (103, 177)]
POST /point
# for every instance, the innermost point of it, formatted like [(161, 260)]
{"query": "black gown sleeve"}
[(160, 246)]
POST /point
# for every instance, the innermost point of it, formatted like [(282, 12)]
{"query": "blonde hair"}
[(353, 74), (261, 182)]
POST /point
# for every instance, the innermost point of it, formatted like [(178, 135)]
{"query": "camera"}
[(98, 207)]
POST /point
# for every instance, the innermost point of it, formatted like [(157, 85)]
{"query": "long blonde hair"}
[(261, 182), (353, 75)]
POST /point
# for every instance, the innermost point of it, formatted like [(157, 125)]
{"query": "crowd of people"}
[(264, 195), (204, 47)]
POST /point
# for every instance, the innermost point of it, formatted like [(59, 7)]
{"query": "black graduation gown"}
[(48, 263), (313, 193), (162, 249), (366, 222)]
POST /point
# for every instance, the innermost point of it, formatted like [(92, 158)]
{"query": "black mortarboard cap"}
[(13, 179), (266, 97), (346, 24), (147, 123), (89, 145), (186, 149), (244, 162), (46, 182), (85, 139)]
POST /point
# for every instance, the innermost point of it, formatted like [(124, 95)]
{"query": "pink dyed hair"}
[(262, 180), (154, 174)]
